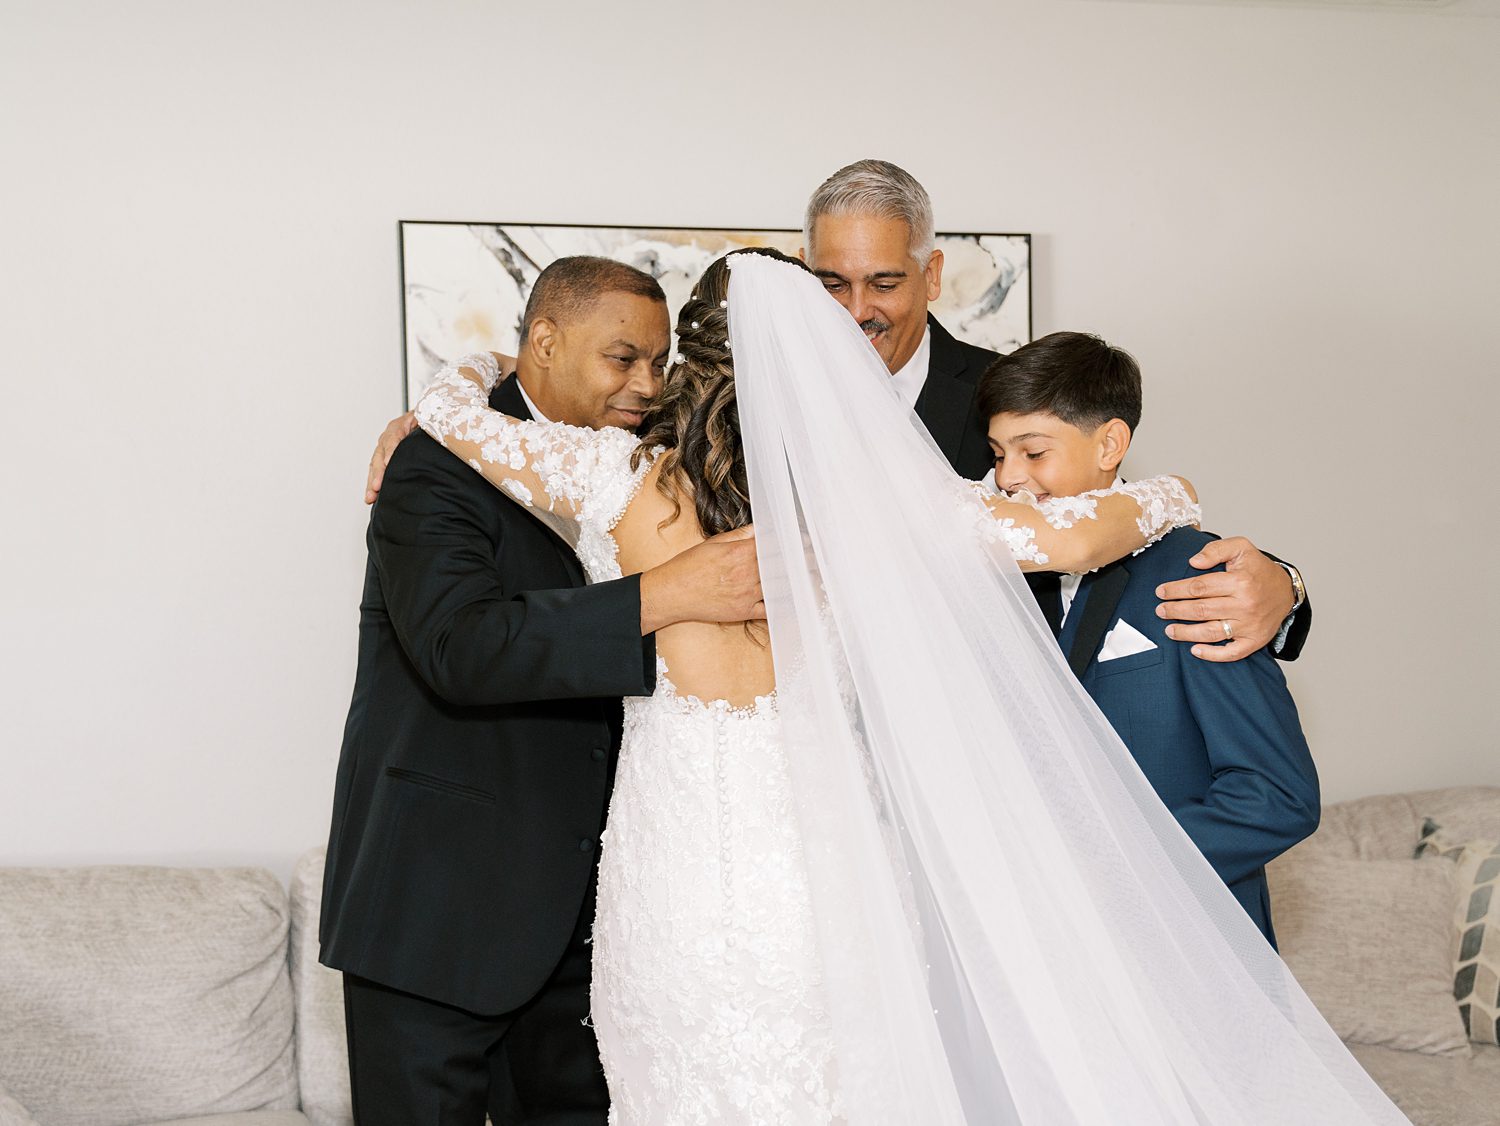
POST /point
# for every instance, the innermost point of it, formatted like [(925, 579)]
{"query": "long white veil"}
[(1013, 927)]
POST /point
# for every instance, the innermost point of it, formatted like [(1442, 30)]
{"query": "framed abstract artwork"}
[(464, 285)]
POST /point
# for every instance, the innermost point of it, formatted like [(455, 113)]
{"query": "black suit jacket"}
[(479, 750), (948, 406)]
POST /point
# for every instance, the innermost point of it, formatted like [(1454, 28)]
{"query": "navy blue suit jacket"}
[(1221, 743)]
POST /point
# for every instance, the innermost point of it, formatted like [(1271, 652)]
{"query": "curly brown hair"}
[(696, 416)]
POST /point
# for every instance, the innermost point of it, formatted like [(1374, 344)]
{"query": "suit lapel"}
[(1046, 588), (946, 400), (1100, 594), (506, 398)]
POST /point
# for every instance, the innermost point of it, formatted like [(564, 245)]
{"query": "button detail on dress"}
[(599, 754), (585, 845)]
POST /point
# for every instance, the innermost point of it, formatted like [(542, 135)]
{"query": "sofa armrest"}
[(318, 998)]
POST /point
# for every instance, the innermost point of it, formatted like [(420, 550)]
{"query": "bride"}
[(883, 861)]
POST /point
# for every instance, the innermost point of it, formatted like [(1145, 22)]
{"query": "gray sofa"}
[(1370, 934), (135, 995)]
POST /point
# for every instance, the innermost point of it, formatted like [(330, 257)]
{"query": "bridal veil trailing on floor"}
[(1012, 927)]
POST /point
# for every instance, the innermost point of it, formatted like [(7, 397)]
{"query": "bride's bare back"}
[(709, 660)]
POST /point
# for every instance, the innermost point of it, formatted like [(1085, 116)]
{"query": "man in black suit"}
[(869, 235), (479, 751)]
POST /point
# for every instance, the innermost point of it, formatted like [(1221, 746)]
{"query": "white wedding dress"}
[(792, 928)]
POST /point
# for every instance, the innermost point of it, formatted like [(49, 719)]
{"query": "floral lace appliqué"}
[(1164, 502), (1015, 537), (567, 465), (707, 985), (1063, 512), (579, 476)]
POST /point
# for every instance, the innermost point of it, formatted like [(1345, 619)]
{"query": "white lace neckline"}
[(687, 702)]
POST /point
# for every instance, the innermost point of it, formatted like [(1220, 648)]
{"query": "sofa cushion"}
[(243, 1118), (1386, 827), (1437, 1090), (1476, 924), (1464, 813), (1374, 828), (1371, 942), (322, 1047), (13, 1113), (136, 994)]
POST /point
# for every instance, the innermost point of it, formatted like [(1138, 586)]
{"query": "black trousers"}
[(415, 1062)]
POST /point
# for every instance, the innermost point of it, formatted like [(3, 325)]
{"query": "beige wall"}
[(1287, 214)]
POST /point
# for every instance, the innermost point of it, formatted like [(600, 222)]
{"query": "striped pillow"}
[(1476, 961)]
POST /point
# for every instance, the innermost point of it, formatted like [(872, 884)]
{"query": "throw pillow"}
[(1371, 943), (1476, 959), (140, 994)]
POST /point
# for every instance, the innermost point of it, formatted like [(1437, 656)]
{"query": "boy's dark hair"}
[(1077, 377), (568, 288)]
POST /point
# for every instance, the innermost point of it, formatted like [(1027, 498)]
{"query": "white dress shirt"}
[(909, 381)]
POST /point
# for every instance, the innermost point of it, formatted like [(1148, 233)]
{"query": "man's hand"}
[(1253, 594), (716, 581), (391, 437)]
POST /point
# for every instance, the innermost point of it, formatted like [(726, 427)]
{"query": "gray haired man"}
[(869, 236)]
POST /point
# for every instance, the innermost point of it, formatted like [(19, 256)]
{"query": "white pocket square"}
[(1124, 641)]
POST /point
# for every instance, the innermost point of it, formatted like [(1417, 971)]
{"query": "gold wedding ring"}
[(1228, 629)]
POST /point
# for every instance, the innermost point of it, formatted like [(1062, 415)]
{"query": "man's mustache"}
[(874, 325)]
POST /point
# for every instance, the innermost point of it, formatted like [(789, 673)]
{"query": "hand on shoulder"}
[(1230, 613)]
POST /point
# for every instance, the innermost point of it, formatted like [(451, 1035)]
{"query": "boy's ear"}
[(1114, 441)]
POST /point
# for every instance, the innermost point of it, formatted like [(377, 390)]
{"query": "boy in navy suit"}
[(1220, 742)]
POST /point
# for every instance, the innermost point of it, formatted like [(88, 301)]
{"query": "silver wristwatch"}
[(1299, 589)]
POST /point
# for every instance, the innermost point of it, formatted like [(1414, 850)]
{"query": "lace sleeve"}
[(548, 466), (1085, 532)]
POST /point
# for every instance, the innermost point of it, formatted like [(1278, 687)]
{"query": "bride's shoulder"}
[(618, 465), (588, 449), (617, 446)]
